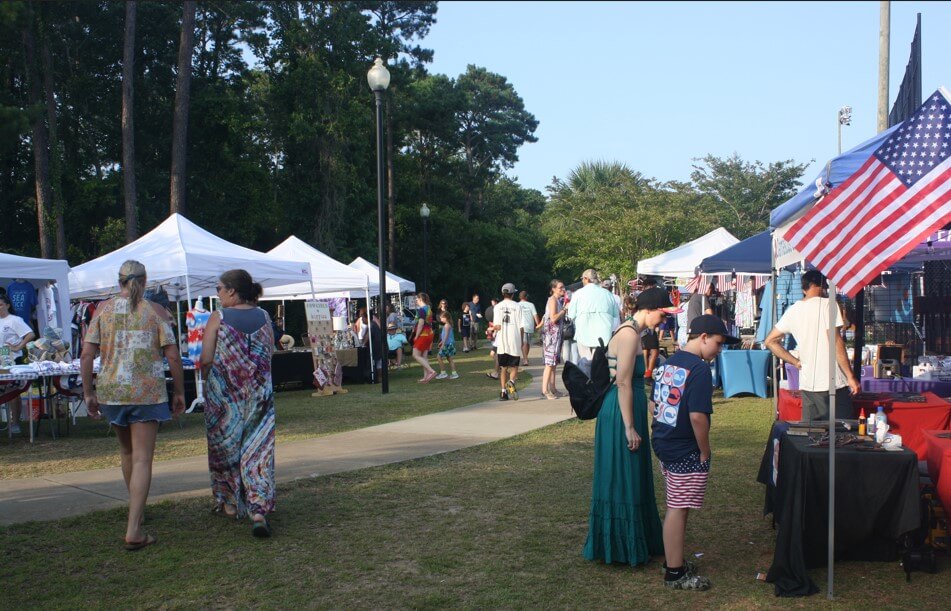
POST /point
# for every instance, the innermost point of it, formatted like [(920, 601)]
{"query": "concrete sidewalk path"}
[(53, 497)]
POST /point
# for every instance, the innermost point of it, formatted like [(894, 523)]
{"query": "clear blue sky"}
[(655, 85)]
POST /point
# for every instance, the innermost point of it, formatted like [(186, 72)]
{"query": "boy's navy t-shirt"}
[(683, 385)]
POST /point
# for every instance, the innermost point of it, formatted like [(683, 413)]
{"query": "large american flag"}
[(899, 197)]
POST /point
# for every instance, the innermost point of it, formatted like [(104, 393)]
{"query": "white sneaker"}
[(442, 376), (454, 376)]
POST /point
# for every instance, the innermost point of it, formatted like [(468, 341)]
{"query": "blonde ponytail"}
[(132, 278)]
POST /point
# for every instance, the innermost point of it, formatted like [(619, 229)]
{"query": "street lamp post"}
[(379, 79), (424, 214)]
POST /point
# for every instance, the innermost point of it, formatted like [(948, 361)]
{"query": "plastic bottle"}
[(870, 425), (881, 424), (862, 421)]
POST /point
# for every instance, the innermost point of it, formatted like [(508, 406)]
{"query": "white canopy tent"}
[(187, 260), (394, 284), (38, 272), (328, 274), (682, 262)]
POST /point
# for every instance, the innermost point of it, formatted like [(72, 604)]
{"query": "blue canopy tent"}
[(751, 256), (834, 172)]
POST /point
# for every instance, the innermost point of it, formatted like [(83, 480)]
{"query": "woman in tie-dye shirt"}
[(132, 335)]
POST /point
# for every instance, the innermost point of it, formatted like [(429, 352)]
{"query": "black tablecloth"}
[(360, 373), (292, 367), (876, 502)]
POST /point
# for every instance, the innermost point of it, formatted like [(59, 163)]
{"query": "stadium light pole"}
[(845, 118), (379, 79), (424, 214)]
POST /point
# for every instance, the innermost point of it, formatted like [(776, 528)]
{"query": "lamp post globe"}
[(378, 78)]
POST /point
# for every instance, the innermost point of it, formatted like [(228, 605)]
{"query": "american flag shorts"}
[(686, 481)]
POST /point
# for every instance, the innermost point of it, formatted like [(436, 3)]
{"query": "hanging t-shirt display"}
[(195, 321), (23, 298), (745, 312)]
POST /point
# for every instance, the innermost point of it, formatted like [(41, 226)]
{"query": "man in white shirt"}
[(530, 320), (595, 314), (808, 321), (508, 326)]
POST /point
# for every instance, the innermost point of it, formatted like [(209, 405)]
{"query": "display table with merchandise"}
[(906, 418), (907, 385), (876, 502)]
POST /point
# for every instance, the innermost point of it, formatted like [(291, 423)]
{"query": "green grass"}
[(497, 525), (299, 416)]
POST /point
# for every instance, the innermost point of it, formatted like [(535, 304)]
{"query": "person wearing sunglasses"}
[(239, 402)]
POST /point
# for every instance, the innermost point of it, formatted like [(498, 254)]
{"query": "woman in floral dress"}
[(551, 325)]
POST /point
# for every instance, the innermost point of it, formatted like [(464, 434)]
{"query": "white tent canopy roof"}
[(183, 257), (394, 284), (682, 262), (329, 275), (37, 272)]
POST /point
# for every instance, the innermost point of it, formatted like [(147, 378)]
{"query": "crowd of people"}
[(135, 342)]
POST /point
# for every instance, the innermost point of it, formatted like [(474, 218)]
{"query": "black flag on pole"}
[(909, 94)]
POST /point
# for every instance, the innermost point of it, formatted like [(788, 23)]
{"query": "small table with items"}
[(908, 414), (292, 367), (355, 364), (876, 502), (743, 371)]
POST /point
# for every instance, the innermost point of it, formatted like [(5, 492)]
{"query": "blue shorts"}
[(124, 415)]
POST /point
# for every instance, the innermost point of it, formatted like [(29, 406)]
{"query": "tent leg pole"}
[(832, 376), (772, 316)]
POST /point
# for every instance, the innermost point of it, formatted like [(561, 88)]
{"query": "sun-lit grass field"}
[(498, 525)]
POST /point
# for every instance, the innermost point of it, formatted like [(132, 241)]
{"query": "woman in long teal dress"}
[(623, 525)]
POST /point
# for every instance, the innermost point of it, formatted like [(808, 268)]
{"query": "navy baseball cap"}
[(711, 325)]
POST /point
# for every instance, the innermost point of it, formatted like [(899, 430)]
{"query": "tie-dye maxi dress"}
[(239, 416)]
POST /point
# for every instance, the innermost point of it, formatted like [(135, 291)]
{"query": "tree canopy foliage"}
[(280, 134), (608, 216)]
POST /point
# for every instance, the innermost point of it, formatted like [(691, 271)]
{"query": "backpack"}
[(587, 394)]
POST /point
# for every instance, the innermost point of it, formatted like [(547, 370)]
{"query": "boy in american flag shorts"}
[(683, 402)]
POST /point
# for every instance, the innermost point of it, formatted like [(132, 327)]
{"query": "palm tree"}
[(594, 175)]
